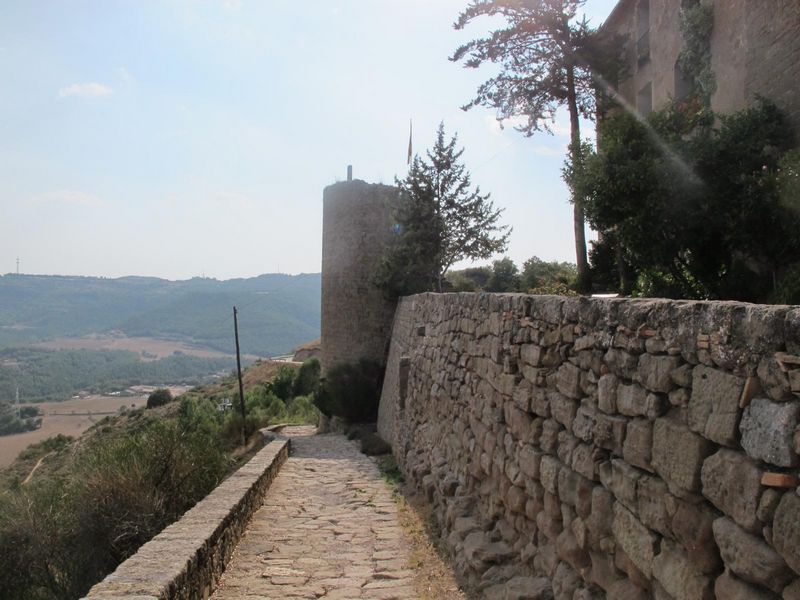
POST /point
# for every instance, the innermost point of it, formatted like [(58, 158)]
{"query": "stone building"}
[(755, 51), (356, 316)]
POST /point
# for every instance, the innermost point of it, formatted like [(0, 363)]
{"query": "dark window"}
[(644, 100), (643, 31), (683, 84)]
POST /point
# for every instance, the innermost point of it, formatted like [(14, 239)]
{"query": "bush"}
[(301, 410), (307, 379), (282, 384), (160, 397), (352, 391)]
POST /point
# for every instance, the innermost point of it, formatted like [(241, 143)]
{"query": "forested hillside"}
[(277, 312), (46, 375)]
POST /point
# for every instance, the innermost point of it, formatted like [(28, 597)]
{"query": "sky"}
[(185, 138)]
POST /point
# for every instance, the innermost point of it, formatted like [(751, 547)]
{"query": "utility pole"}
[(239, 372), (18, 412), (18, 266)]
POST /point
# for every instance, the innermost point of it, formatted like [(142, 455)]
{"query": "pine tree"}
[(548, 59), (440, 220)]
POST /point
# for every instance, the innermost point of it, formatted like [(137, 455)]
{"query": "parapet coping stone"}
[(186, 559)]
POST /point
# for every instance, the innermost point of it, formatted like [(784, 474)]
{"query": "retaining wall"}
[(603, 448), (186, 559)]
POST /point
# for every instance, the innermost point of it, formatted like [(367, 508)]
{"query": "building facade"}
[(755, 51)]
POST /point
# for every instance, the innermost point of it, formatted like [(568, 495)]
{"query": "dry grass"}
[(434, 574)]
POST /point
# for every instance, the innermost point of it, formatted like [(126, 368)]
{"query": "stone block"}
[(522, 395), (573, 487), (603, 572), (682, 376), (714, 404), (792, 591), (549, 439), (531, 354), (655, 372), (609, 432), (626, 590), (518, 421), (515, 499), (621, 363), (586, 460), (540, 405), (678, 455), (621, 480), (729, 587), (768, 431), (529, 460), (607, 393), (691, 526), (599, 522), (566, 444), (749, 557), (638, 446), (525, 588), (652, 497), (625, 564), (568, 549), (786, 530), (767, 505), (773, 379), (562, 408), (732, 482), (673, 569), (569, 381), (549, 468), (638, 542), (583, 424), (631, 400)]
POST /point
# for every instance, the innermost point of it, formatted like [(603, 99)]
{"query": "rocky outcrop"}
[(603, 448)]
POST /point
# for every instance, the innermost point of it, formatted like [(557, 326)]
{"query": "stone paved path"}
[(328, 529)]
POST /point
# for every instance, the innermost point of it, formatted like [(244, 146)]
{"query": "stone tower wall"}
[(356, 317)]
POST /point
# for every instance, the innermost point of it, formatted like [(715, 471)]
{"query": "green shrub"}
[(283, 383), (352, 391), (159, 398), (306, 380), (301, 410)]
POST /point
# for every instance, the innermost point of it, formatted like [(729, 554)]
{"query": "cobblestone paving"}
[(328, 529)]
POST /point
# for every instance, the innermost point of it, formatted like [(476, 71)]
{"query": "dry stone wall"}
[(603, 448)]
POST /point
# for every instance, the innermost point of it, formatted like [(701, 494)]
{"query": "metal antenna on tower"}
[(18, 265), (17, 402)]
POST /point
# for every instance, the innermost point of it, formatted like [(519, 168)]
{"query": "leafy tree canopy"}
[(440, 220), (694, 212)]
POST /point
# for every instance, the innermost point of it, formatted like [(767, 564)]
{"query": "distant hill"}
[(276, 312)]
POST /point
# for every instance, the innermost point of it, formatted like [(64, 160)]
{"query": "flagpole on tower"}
[(410, 131)]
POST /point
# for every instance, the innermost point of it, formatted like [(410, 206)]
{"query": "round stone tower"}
[(356, 316)]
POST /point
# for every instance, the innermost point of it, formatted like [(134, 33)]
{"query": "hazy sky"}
[(180, 138)]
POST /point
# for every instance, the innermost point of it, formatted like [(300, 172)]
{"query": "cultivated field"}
[(148, 348), (71, 417)]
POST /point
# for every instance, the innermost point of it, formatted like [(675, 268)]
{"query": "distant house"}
[(755, 51)]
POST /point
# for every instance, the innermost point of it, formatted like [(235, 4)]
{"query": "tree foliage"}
[(505, 276), (440, 220), (547, 60), (536, 276), (695, 213), (160, 397)]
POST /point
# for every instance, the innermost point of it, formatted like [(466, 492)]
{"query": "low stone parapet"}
[(186, 559)]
